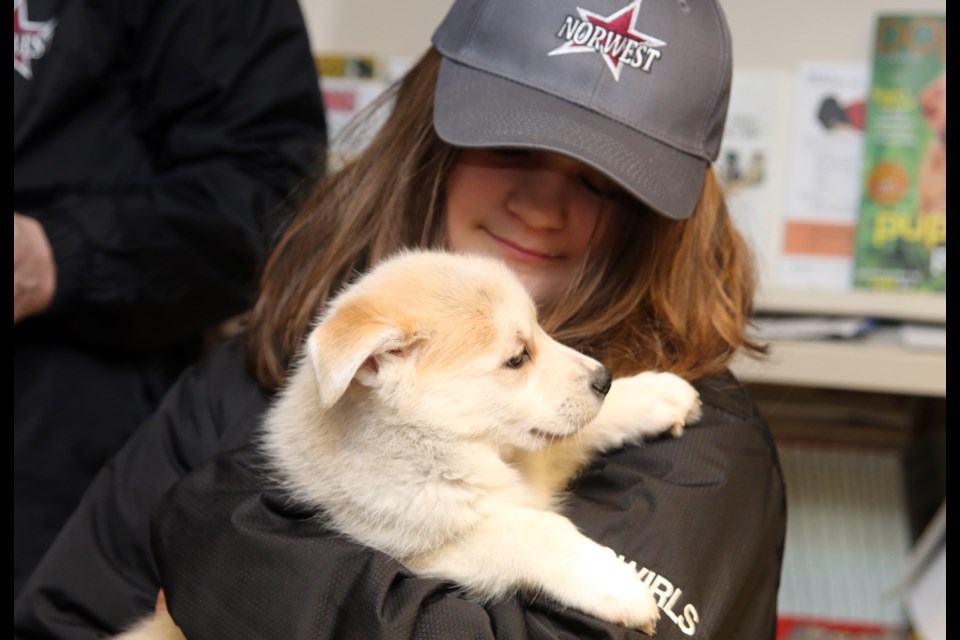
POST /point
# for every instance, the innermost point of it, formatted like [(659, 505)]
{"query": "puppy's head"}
[(451, 343)]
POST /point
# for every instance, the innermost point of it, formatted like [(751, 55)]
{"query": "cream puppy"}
[(430, 417)]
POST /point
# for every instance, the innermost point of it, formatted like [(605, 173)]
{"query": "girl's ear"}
[(341, 349)]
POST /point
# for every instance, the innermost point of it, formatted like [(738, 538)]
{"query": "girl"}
[(575, 144)]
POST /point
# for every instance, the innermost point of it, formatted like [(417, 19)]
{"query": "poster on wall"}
[(749, 157), (823, 182)]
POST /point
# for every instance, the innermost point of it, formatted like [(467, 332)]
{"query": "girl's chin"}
[(539, 285)]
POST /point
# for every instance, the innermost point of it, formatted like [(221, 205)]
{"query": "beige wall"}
[(766, 33)]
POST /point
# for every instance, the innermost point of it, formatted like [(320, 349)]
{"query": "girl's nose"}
[(539, 197)]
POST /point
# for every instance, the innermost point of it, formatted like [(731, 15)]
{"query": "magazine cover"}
[(901, 240)]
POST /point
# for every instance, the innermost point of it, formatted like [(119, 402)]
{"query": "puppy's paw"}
[(616, 594), (604, 586), (672, 402), (643, 406), (680, 403)]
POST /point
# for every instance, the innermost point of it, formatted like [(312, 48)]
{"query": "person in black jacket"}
[(578, 153), (152, 144)]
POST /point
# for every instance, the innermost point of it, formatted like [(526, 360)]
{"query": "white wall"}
[(781, 33), (378, 27), (766, 33)]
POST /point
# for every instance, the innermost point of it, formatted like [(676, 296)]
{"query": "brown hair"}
[(664, 295)]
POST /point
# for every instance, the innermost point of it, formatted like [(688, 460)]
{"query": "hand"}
[(34, 271), (161, 602)]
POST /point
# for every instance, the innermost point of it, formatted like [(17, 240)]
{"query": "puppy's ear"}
[(338, 349)]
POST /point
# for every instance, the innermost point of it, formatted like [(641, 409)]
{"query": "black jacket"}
[(150, 140), (154, 140), (704, 515)]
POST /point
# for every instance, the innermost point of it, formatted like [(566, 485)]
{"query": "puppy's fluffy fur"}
[(430, 417)]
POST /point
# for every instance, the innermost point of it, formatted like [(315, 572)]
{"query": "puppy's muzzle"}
[(600, 381)]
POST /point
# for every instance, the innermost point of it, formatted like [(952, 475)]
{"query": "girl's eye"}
[(511, 154), (518, 360), (593, 186), (603, 188)]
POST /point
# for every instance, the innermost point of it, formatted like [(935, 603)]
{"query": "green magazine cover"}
[(901, 240)]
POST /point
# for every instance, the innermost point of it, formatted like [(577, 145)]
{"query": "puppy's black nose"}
[(601, 380)]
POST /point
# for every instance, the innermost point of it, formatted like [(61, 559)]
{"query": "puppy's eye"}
[(518, 360)]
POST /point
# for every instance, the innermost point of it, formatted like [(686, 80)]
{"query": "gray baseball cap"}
[(637, 89)]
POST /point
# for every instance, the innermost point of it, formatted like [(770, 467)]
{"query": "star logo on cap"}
[(30, 39), (615, 37)]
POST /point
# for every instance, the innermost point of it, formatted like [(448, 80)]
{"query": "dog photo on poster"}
[(902, 230)]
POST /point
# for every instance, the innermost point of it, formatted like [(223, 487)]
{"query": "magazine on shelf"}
[(901, 240)]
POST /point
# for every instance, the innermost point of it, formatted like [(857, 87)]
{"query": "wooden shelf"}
[(856, 365), (906, 306)]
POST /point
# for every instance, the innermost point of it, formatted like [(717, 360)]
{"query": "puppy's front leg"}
[(540, 552), (641, 406)]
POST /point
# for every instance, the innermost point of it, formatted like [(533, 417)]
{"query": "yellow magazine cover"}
[(901, 240)]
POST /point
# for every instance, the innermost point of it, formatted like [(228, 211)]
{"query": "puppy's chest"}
[(472, 478)]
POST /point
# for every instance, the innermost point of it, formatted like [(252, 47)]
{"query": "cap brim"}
[(474, 108)]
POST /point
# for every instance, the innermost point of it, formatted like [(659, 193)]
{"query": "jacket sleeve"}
[(99, 575), (702, 515), (228, 104)]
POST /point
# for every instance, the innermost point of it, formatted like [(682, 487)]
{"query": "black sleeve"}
[(704, 517), (99, 575), (228, 103)]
